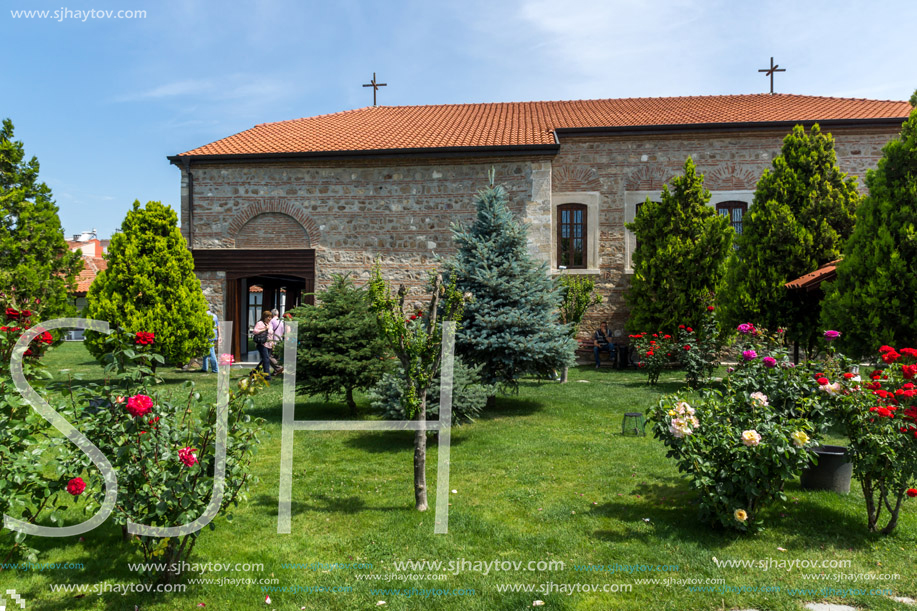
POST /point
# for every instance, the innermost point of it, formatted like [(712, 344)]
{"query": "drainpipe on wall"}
[(187, 161)]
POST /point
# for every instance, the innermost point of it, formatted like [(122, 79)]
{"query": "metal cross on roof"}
[(375, 87), (770, 72)]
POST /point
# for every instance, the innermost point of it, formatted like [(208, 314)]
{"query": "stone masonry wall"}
[(614, 165), (353, 213)]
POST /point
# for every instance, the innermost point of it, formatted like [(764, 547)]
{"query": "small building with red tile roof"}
[(285, 205)]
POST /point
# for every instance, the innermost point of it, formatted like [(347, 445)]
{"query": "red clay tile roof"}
[(812, 280), (382, 128), (91, 267)]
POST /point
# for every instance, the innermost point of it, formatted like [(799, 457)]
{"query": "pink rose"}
[(139, 405)]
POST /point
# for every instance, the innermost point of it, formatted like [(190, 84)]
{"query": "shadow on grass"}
[(380, 442), (322, 503), (672, 509), (506, 407)]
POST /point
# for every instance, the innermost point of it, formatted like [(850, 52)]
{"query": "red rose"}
[(911, 492), (12, 314), (909, 371), (689, 330), (142, 338), (823, 381), (890, 357), (886, 349), (666, 337), (649, 353), (710, 308), (681, 326), (29, 352), (139, 405), (76, 486), (655, 335), (186, 455), (687, 347)]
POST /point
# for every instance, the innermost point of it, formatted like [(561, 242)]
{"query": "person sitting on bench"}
[(601, 342)]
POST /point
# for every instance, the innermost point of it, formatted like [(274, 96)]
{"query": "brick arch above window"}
[(276, 206), (272, 230), (731, 177), (647, 178)]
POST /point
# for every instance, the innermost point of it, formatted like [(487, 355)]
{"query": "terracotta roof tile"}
[(813, 280), (379, 128), (91, 267)]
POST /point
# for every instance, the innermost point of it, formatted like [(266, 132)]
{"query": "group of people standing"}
[(270, 324), (270, 327)]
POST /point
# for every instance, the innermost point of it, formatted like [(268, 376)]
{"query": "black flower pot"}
[(833, 471)]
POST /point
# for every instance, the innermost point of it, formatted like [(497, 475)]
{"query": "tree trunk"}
[(563, 375), (491, 401), (420, 458), (350, 402)]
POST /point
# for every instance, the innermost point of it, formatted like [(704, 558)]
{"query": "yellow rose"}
[(799, 438), (740, 515)]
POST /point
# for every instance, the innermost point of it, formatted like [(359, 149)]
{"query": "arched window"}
[(571, 236)]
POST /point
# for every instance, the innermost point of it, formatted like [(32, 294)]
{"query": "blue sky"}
[(102, 102)]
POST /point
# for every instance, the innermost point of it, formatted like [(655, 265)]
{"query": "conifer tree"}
[(802, 212), (872, 301), (150, 286), (511, 326), (680, 257), (340, 346), (37, 269)]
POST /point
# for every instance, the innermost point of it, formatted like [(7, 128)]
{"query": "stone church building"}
[(283, 206)]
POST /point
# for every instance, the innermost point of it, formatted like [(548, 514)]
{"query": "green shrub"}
[(737, 451), (150, 286), (469, 396)]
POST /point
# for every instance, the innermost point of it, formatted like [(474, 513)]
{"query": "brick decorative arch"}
[(731, 177), (647, 178), (277, 206), (575, 179)]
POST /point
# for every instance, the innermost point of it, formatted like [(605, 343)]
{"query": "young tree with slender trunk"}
[(416, 339)]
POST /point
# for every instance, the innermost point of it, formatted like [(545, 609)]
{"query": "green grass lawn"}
[(544, 476)]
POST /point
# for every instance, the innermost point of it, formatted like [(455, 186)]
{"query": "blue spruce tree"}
[(511, 326)]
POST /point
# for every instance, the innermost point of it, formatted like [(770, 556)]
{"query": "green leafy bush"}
[(469, 396), (150, 286), (340, 346), (700, 349), (876, 288), (737, 451), (880, 420), (33, 480), (162, 445), (682, 246)]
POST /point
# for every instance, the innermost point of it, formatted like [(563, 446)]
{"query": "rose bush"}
[(736, 449), (33, 479), (700, 349), (880, 420), (793, 391), (162, 446), (655, 352)]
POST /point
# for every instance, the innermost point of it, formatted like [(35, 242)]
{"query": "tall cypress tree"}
[(150, 286), (802, 212), (37, 269), (872, 301), (680, 258), (511, 326)]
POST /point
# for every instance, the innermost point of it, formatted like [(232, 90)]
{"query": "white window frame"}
[(591, 200), (632, 198)]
